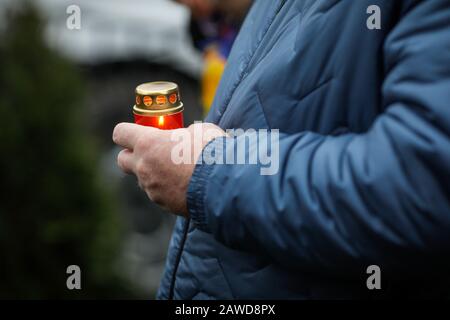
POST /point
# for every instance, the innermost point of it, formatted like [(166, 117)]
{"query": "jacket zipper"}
[(187, 223), (283, 2), (178, 258)]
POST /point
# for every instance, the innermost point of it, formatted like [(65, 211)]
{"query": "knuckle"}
[(115, 136), (154, 184), (141, 169), (117, 133), (156, 198), (120, 160), (142, 143)]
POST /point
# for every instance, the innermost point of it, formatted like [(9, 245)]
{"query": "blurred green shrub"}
[(55, 210)]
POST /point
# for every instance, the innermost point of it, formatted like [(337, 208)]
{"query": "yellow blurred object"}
[(213, 70)]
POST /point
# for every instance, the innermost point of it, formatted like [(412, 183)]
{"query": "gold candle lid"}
[(157, 99)]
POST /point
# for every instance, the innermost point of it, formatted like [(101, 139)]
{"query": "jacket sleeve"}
[(338, 202)]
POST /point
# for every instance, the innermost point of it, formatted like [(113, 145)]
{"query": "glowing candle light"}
[(158, 105)]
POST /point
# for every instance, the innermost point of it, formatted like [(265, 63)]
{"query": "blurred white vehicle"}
[(121, 30)]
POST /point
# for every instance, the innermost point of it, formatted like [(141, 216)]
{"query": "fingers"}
[(126, 134), (126, 161)]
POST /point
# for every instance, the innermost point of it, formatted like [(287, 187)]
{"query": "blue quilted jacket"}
[(364, 158)]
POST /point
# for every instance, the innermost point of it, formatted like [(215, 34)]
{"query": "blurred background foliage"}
[(55, 208), (63, 200)]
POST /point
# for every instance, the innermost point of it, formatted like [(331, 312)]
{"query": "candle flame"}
[(161, 121)]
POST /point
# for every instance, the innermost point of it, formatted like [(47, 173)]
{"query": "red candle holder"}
[(158, 105)]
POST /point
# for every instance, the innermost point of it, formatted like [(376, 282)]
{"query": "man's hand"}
[(148, 155)]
